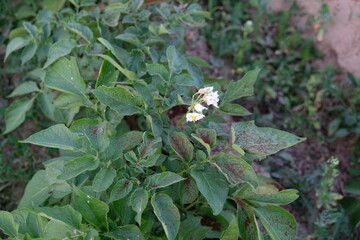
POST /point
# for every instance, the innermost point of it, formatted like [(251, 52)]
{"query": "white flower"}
[(193, 117), (212, 98), (249, 23), (205, 90), (199, 108)]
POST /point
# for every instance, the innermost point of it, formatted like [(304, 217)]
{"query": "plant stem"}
[(181, 120)]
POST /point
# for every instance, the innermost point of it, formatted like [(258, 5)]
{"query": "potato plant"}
[(144, 151)]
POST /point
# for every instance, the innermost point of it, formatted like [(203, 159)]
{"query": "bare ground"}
[(340, 42)]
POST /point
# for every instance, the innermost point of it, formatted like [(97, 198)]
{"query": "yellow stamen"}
[(193, 118)]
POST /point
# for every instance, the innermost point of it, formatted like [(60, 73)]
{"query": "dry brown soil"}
[(341, 41)]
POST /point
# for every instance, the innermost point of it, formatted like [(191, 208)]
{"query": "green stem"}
[(168, 84), (181, 120)]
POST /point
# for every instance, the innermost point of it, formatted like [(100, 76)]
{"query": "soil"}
[(340, 43)]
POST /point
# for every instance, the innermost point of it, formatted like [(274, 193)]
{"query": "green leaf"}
[(123, 209), (120, 99), (181, 145), (24, 11), (353, 186), (59, 49), (111, 17), (93, 210), (108, 75), (207, 146), (64, 76), (94, 131), (24, 88), (235, 169), (36, 191), (163, 179), (8, 225), (128, 232), (57, 230), (81, 30), (156, 69), (31, 29), (124, 142), (143, 89), (129, 74), (66, 215), (156, 124), (136, 62), (238, 149), (15, 44), (352, 209), (278, 222), (17, 32), (192, 229), (52, 5), (121, 54), (248, 227), (139, 199), (242, 88), (103, 179), (281, 198), (167, 213), (183, 80), (234, 110), (196, 74), (20, 217), (261, 140), (36, 225), (176, 61), (212, 185), (79, 165), (16, 112), (121, 189), (129, 38), (45, 184), (67, 101), (28, 52), (57, 136), (232, 232), (198, 61)]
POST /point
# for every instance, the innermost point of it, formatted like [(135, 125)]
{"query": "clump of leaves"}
[(127, 170), (88, 32)]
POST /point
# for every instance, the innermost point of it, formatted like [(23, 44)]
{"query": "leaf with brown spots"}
[(207, 135), (232, 232), (123, 143), (150, 145), (248, 227), (235, 169), (181, 145), (121, 189), (262, 141), (278, 222), (94, 131), (266, 193), (192, 229), (167, 213), (189, 190), (281, 198)]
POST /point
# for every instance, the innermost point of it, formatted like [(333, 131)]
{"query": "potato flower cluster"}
[(204, 95)]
